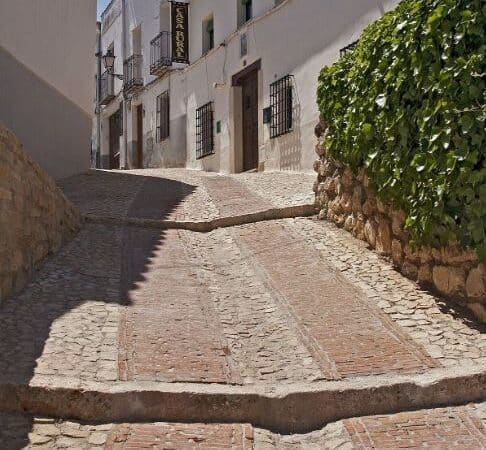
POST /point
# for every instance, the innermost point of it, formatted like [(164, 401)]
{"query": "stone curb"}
[(297, 408), (210, 225)]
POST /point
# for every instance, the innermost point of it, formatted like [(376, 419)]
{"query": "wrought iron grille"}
[(348, 48), (160, 52), (132, 72), (281, 104), (162, 107), (204, 130), (107, 91)]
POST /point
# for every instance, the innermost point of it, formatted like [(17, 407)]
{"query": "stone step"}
[(282, 408), (442, 428), (205, 226)]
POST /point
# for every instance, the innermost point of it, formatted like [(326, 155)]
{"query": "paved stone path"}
[(278, 302)]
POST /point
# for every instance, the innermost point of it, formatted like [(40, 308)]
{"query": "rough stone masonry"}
[(35, 217), (346, 199)]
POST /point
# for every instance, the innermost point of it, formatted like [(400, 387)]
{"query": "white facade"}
[(286, 37), (46, 79)]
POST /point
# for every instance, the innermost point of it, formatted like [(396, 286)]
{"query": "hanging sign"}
[(180, 32)]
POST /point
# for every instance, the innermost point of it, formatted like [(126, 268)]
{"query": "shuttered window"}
[(163, 106)]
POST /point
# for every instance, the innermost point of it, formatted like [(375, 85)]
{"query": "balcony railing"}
[(160, 53), (107, 89), (132, 72)]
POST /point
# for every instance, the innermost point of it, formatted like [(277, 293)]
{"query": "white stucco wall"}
[(55, 39), (297, 37), (46, 72)]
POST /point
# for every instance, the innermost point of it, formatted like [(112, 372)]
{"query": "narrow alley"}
[(269, 334)]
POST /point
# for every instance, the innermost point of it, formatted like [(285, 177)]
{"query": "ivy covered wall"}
[(408, 104)]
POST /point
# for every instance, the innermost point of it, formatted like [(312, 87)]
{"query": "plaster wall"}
[(46, 74), (296, 37)]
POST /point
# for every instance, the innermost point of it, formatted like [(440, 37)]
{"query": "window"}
[(245, 11), (281, 104), (208, 34), (348, 48), (162, 108), (204, 131)]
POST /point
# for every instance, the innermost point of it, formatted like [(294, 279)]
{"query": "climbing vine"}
[(408, 103)]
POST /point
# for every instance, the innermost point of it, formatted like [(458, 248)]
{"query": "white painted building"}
[(46, 79), (247, 100)]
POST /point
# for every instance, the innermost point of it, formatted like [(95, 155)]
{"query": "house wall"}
[(296, 37), (49, 99)]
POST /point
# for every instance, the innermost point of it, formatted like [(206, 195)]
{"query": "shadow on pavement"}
[(55, 325)]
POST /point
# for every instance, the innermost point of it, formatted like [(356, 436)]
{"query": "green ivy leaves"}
[(409, 104)]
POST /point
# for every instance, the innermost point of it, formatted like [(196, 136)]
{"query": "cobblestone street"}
[(285, 302)]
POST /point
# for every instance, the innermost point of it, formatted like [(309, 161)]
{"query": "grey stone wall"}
[(35, 217), (347, 200)]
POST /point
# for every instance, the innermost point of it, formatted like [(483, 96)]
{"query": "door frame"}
[(236, 106), (139, 125)]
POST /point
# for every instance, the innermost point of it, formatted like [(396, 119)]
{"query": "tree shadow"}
[(62, 322)]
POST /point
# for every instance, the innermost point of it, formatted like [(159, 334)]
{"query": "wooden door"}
[(115, 132), (140, 136), (250, 121)]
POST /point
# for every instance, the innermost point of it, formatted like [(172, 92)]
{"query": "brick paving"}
[(166, 436), (288, 301), (348, 335)]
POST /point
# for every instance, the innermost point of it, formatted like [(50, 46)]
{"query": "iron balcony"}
[(107, 89), (160, 53), (132, 72)]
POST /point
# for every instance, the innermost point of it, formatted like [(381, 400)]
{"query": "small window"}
[(349, 48), (208, 34), (245, 11), (281, 104), (162, 108), (204, 131)]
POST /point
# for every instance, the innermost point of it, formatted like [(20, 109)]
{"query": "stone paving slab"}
[(462, 428)]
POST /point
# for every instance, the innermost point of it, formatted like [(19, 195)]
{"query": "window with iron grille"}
[(281, 103), (204, 130), (348, 48), (162, 108)]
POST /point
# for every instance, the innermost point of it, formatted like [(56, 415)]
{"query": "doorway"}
[(249, 86), (115, 133), (140, 136)]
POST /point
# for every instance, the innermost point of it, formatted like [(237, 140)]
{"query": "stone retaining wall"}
[(346, 199), (35, 217)]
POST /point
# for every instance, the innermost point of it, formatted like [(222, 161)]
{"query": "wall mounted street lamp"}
[(109, 62)]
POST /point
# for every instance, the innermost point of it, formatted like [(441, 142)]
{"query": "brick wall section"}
[(35, 217), (346, 199)]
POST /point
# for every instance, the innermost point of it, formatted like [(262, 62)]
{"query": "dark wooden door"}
[(140, 136), (115, 132), (250, 121)]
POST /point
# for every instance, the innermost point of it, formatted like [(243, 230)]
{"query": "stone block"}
[(425, 274), (370, 233), (476, 283), (449, 280), (384, 236), (410, 270), (397, 252)]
